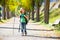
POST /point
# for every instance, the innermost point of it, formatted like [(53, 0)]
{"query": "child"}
[(23, 22)]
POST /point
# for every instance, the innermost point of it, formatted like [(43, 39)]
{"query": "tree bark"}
[(33, 9), (7, 10), (46, 11), (4, 12), (37, 12), (29, 15), (0, 16)]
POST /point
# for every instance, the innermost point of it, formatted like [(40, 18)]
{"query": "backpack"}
[(26, 20)]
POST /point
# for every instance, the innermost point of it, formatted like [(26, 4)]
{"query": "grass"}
[(4, 21), (54, 15), (52, 20)]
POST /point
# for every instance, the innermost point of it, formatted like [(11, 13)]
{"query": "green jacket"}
[(22, 19)]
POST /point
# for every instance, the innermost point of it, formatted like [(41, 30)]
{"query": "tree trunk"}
[(29, 15), (4, 12), (33, 9), (0, 16), (13, 13), (10, 14), (46, 11), (7, 10), (37, 12), (32, 14)]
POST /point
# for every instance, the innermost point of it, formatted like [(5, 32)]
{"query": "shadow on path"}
[(43, 37), (27, 29)]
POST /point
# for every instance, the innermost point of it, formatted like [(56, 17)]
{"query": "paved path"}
[(35, 31)]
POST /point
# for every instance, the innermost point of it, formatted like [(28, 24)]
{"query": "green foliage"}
[(12, 4), (1, 1), (54, 15), (26, 4), (40, 1)]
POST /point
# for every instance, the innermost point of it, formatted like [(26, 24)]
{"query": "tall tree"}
[(4, 9), (0, 13), (29, 15), (11, 6), (7, 9), (3, 3), (33, 4), (7, 12), (37, 10), (46, 11), (38, 5)]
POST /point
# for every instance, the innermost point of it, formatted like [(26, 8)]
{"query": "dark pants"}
[(23, 28)]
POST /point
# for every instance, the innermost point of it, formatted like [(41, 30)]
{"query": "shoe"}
[(25, 34)]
